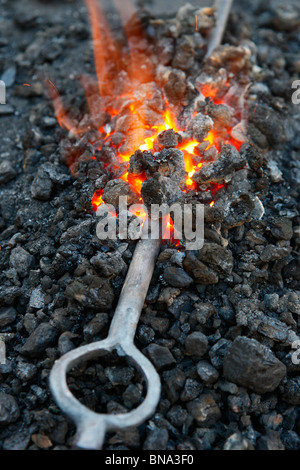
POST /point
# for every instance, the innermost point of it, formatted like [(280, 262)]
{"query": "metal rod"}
[(134, 290), (223, 8)]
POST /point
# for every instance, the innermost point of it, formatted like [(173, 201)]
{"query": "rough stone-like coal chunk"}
[(204, 410), (151, 93), (37, 298), (134, 139), (171, 163), (168, 139), (119, 375), (8, 294), (96, 325), (40, 339), (216, 257), (238, 210), (7, 172), (55, 173), (177, 277), (174, 380), (253, 156), (175, 88), (221, 114), (149, 117), (42, 186), (270, 123), (158, 324), (116, 188), (282, 229), (223, 168), (74, 233), (205, 18), (207, 373), (284, 17), (127, 122), (91, 291), (157, 439), (196, 344), (132, 395), (292, 270), (141, 161), (239, 132), (191, 390), (177, 416), (218, 351), (290, 391), (274, 329), (184, 53), (240, 403), (274, 253), (21, 261), (117, 138), (160, 356), (43, 183), (237, 442), (200, 272), (7, 316), (234, 58), (160, 190), (108, 264), (26, 371), (250, 364), (9, 409), (145, 334), (199, 126), (203, 312), (256, 136), (210, 154), (65, 343), (165, 50)]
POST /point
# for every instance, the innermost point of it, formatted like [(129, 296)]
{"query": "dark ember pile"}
[(219, 324)]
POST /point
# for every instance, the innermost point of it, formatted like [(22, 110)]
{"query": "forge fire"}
[(145, 119), (109, 109)]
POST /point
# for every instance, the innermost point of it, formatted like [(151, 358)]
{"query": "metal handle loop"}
[(91, 426)]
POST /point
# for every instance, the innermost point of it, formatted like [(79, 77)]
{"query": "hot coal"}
[(160, 190), (168, 139), (228, 161), (200, 126), (116, 188)]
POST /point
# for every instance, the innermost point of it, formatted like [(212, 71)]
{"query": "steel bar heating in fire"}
[(92, 426), (223, 8)]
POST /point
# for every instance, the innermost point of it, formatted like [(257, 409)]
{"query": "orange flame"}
[(97, 199), (103, 45)]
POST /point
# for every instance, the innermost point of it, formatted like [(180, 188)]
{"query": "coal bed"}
[(149, 116)]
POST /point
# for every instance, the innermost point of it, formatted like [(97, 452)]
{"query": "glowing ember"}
[(97, 199), (170, 233)]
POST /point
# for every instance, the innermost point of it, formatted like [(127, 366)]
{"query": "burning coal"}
[(158, 134)]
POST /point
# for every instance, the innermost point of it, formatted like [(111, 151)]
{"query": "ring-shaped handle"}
[(91, 426)]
